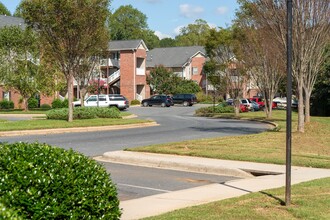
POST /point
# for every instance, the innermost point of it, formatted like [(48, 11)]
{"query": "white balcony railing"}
[(114, 76), (140, 71), (109, 62)]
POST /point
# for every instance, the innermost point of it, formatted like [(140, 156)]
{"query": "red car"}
[(243, 108), (261, 103)]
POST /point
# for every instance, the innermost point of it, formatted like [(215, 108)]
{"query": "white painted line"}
[(142, 187)]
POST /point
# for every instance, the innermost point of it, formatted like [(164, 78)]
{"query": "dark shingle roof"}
[(172, 56), (118, 45), (6, 20)]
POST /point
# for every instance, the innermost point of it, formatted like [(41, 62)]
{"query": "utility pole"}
[(288, 105)]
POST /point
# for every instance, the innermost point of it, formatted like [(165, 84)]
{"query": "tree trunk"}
[(70, 97), (301, 122), (25, 104), (237, 108), (307, 108), (82, 92)]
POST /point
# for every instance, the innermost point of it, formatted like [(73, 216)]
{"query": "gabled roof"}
[(118, 45), (6, 20), (173, 56)]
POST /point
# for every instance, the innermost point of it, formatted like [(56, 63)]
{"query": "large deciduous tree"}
[(310, 36), (193, 34), (69, 31), (20, 66), (128, 23), (4, 10)]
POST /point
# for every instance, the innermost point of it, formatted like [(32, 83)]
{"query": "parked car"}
[(161, 100), (243, 108), (247, 102), (185, 99), (255, 106), (102, 100)]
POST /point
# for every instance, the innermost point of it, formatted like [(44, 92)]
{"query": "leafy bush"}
[(65, 103), (57, 103), (43, 182), (6, 213), (112, 112), (45, 106), (135, 102), (5, 104), (215, 110), (203, 98), (33, 103), (83, 113)]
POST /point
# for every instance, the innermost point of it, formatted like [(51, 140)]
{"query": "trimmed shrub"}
[(215, 110), (135, 102), (45, 106), (65, 103), (6, 213), (83, 113), (57, 114), (112, 112), (44, 182), (5, 104), (33, 103), (57, 103)]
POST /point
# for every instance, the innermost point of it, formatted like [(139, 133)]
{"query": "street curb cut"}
[(156, 161)]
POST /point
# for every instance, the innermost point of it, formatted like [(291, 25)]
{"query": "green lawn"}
[(310, 149), (42, 123), (309, 200)]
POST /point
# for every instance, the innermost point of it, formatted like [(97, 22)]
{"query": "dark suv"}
[(184, 99), (161, 100)]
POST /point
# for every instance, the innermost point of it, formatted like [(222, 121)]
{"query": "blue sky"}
[(166, 17)]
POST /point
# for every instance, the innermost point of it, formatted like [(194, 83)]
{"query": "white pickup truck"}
[(112, 100)]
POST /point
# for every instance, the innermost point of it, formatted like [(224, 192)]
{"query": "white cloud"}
[(222, 10), (177, 29), (189, 11), (161, 35)]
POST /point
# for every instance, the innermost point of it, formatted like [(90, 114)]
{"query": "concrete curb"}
[(76, 129), (174, 162)]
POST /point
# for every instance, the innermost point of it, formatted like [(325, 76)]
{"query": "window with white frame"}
[(6, 96), (195, 70)]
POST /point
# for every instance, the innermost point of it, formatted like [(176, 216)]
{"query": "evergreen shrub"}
[(5, 104), (135, 102), (33, 103), (39, 181)]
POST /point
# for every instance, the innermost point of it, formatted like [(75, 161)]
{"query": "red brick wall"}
[(15, 96), (198, 62), (128, 77)]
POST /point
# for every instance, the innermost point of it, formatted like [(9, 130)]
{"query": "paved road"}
[(176, 124), (135, 182)]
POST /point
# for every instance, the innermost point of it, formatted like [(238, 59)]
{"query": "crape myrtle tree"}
[(310, 36), (262, 55), (69, 31), (224, 71), (20, 68)]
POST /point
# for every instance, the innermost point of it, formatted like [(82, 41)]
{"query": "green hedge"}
[(33, 103), (84, 113), (135, 102), (39, 181), (214, 110), (4, 104)]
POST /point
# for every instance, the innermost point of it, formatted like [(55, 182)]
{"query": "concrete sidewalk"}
[(268, 176)]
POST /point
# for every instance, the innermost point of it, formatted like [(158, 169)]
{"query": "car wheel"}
[(163, 104), (185, 103), (145, 104)]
